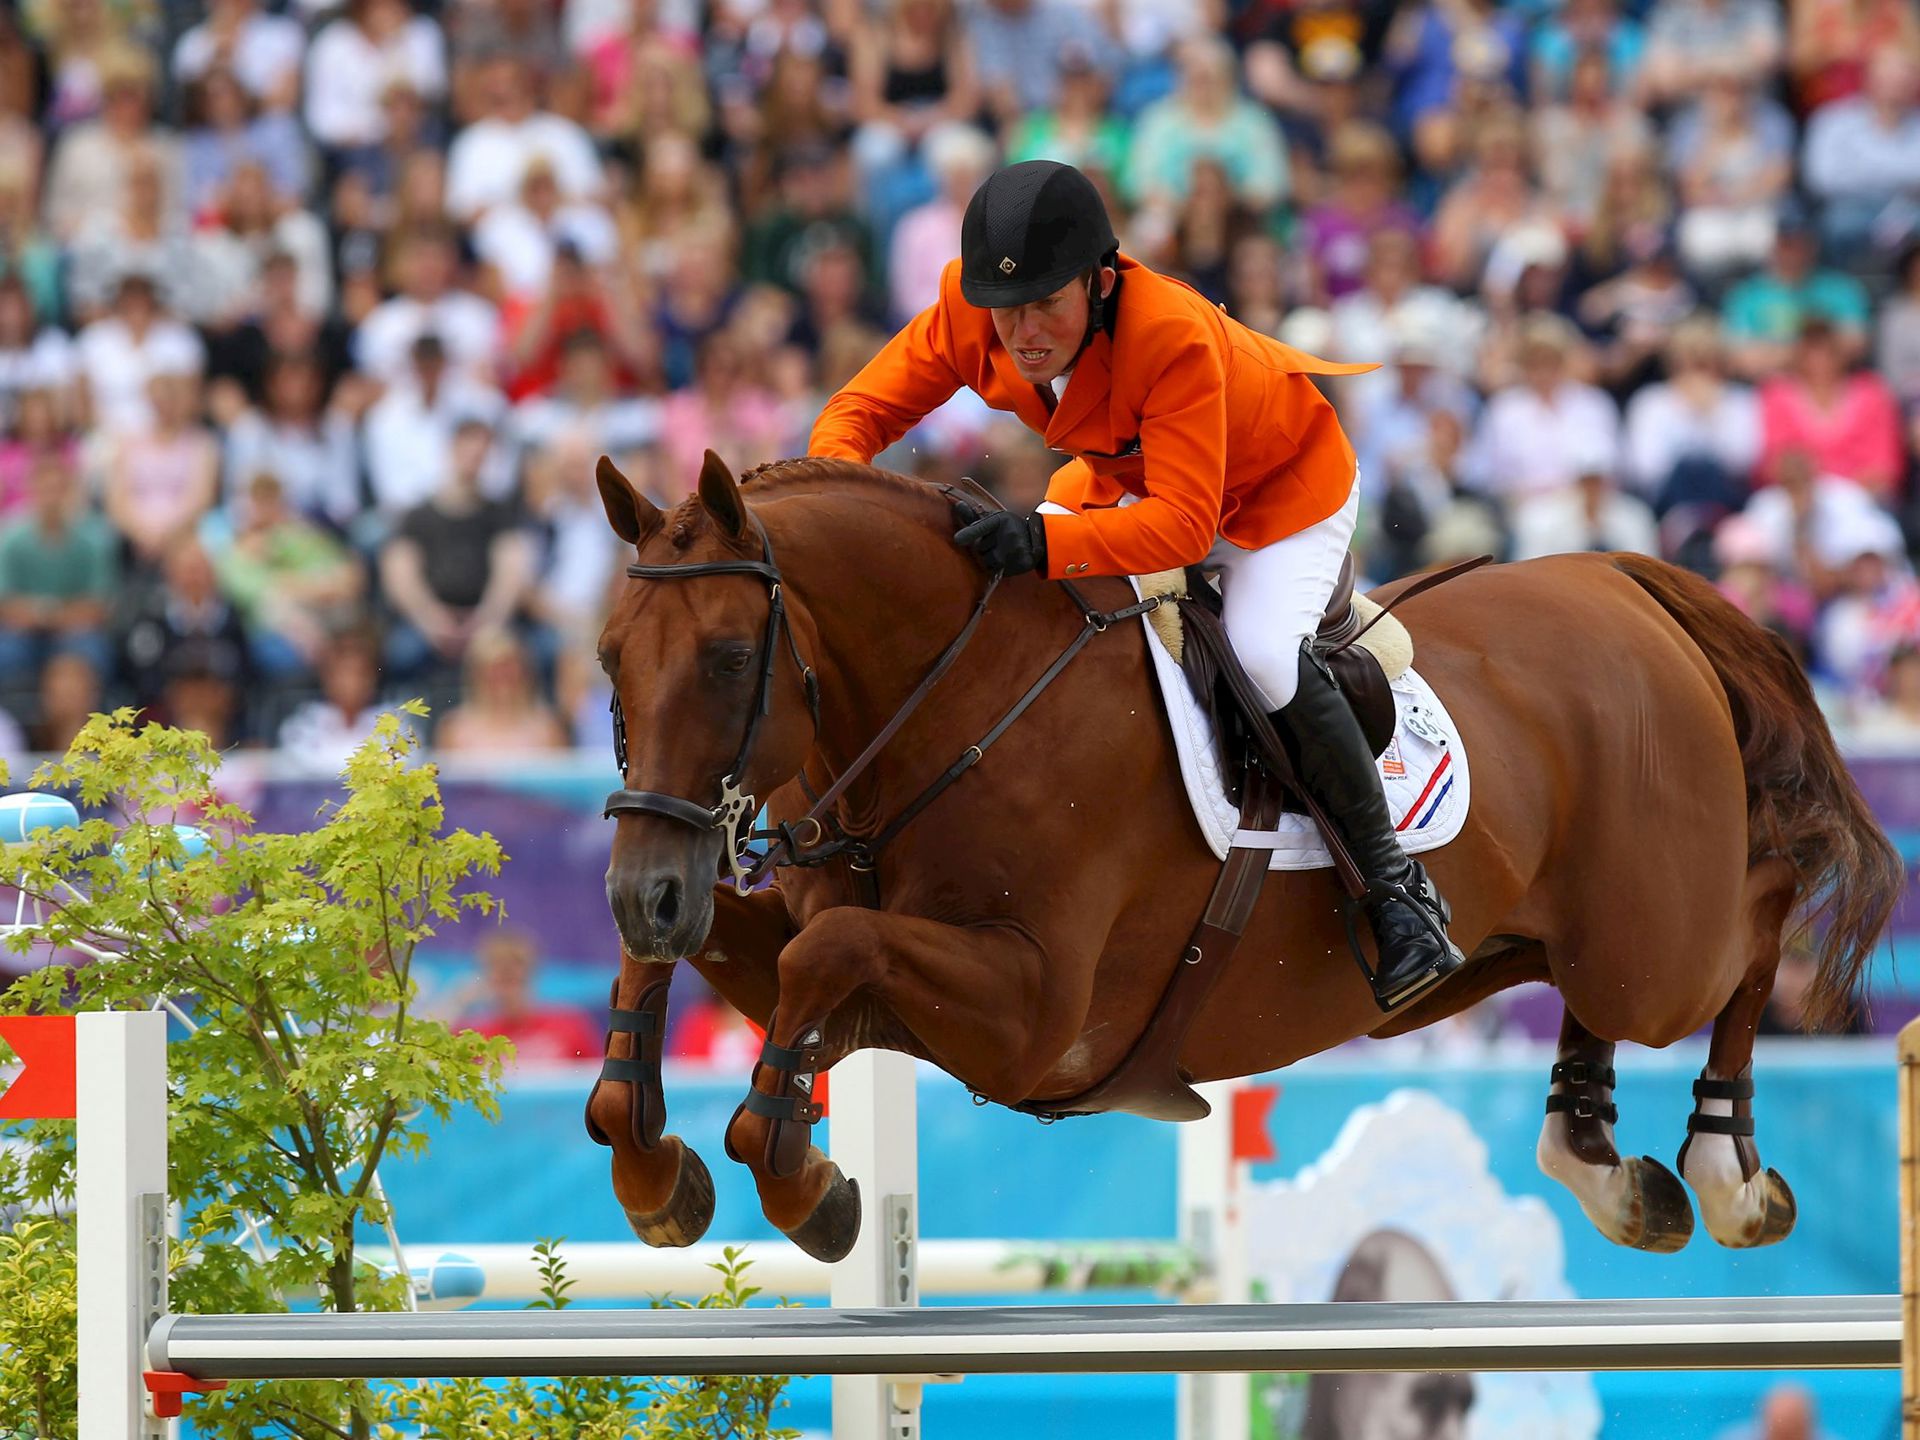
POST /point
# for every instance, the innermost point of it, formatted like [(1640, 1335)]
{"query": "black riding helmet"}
[(1030, 229)]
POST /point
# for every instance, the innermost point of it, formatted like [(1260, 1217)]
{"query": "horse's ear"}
[(720, 493), (634, 517)]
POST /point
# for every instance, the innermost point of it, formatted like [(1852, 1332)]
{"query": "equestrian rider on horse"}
[(1212, 429)]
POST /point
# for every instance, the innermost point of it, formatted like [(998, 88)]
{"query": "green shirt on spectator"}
[(250, 575), (1766, 307), (79, 563), (1038, 137)]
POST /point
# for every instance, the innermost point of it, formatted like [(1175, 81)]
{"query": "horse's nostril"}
[(663, 904)]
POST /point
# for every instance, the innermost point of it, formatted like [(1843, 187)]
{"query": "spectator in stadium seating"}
[(58, 568), (92, 161), (1080, 129), (1863, 161), (262, 52), (184, 632), (1362, 203), (911, 72), (143, 236), (1829, 43), (249, 226), (33, 355), (1849, 424), (1206, 118), (722, 409), (586, 405), (1755, 577), (457, 564), (529, 30), (430, 301), (1575, 139), (370, 174), (1732, 152), (812, 203), (410, 431), (297, 437), (1632, 315), (1391, 411), (277, 318), (24, 82), (84, 39), (27, 253), (501, 710), (928, 236), (1690, 40), (163, 477), (509, 1005), (535, 325), (1436, 52), (226, 132), (1256, 292), (519, 239), (1635, 203), (679, 205), (1015, 43), (1209, 223), (1496, 195), (1897, 355), (354, 59), (580, 561), (650, 71), (1873, 606), (1765, 312), (69, 697), (488, 160), (37, 433), (1536, 433), (321, 734), (1584, 32), (292, 581), (1693, 438), (1590, 514)]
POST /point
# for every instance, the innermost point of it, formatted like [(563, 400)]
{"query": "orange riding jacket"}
[(1216, 428)]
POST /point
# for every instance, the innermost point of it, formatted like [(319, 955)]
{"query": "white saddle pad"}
[(1423, 771)]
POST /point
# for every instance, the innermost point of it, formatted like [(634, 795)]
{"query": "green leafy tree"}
[(289, 958)]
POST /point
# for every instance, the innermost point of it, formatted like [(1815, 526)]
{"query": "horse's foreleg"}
[(663, 1185), (1741, 1203), (1634, 1202), (969, 995)]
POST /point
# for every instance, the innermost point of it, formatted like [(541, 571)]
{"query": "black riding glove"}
[(1005, 541)]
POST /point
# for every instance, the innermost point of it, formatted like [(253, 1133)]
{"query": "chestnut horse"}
[(1656, 802)]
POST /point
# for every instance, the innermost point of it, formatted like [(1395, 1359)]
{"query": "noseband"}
[(734, 815)]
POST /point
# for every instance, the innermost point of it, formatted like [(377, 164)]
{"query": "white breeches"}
[(1274, 597)]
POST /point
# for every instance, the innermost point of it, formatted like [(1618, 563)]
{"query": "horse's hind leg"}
[(661, 1183), (1633, 1202), (1741, 1204)]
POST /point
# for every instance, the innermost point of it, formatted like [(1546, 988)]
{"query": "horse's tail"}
[(1802, 804)]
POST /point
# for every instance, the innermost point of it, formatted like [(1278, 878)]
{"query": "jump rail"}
[(1825, 1332)]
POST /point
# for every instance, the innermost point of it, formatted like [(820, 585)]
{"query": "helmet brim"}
[(1000, 294)]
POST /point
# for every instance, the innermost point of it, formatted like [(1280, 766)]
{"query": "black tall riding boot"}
[(1408, 917)]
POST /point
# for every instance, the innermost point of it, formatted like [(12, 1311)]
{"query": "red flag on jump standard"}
[(45, 1087), (1251, 1106)]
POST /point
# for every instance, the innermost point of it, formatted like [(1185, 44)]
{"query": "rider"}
[(1212, 428)]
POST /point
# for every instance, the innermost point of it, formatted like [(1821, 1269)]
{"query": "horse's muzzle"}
[(661, 914)]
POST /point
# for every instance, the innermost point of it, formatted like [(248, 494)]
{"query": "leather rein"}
[(803, 842)]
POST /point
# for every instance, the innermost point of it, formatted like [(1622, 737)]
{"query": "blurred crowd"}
[(315, 313)]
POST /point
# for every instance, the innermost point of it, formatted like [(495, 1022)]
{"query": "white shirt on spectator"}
[(320, 737), (44, 363), (233, 262), (518, 244), (468, 327), (610, 428), (1849, 153), (1527, 444), (1663, 429), (318, 469), (488, 158), (1843, 521), (410, 441), (117, 367), (269, 48), (347, 74), (581, 554), (1558, 523)]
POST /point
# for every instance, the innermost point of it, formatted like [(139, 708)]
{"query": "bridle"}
[(733, 815)]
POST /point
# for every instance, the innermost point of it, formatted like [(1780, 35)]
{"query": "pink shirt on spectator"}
[(17, 459), (753, 426), (1858, 439)]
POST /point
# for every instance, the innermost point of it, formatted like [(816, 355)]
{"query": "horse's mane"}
[(816, 472)]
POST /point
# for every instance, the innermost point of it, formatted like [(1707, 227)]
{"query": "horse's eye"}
[(734, 661)]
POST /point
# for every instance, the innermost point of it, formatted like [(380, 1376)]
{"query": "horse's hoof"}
[(829, 1232), (1663, 1215), (688, 1211), (1776, 1221)]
